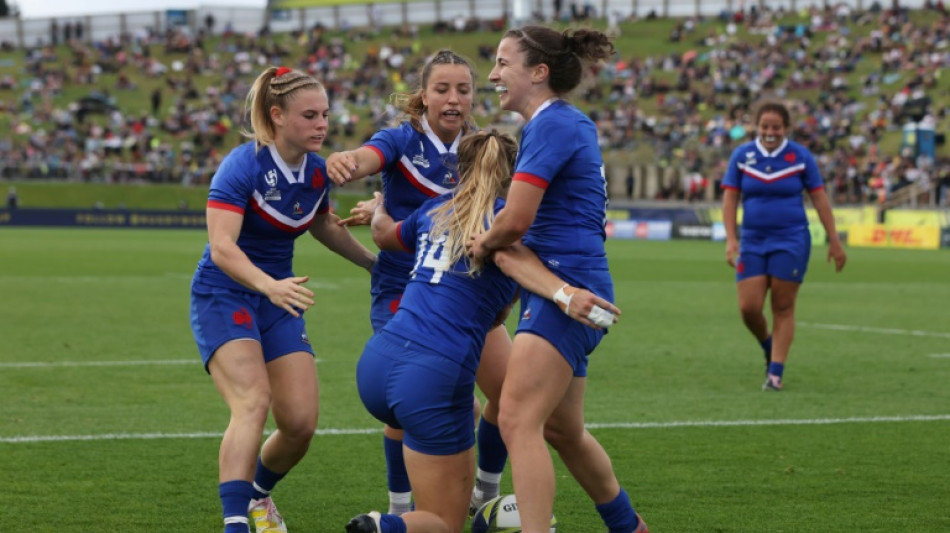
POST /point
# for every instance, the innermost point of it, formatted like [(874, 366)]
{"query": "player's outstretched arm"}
[(522, 265), (351, 165)]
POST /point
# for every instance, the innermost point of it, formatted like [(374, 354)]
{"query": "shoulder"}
[(397, 136), (792, 145), (243, 160)]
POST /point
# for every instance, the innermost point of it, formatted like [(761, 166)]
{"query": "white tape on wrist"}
[(563, 299), (600, 316)]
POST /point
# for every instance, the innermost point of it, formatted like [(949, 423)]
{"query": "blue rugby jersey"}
[(278, 206), (559, 153), (772, 183), (414, 170), (443, 308)]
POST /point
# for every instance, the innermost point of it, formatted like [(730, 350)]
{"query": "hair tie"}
[(281, 71)]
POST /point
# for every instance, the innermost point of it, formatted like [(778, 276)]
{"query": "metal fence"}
[(37, 31)]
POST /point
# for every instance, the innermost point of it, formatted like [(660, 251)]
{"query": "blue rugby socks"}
[(397, 479)]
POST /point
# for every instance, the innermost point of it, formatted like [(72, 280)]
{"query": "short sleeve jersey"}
[(278, 206), (416, 167), (443, 308), (771, 184), (559, 153)]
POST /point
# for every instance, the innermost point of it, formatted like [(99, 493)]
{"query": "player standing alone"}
[(771, 173)]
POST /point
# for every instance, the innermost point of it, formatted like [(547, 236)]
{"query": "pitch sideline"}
[(27, 439)]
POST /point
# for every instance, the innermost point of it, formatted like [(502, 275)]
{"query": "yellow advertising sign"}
[(879, 235)]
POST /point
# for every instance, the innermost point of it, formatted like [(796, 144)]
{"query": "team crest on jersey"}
[(750, 158), (297, 209), (271, 177), (419, 159)]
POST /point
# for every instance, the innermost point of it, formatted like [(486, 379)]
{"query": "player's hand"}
[(340, 167), (836, 252), (290, 295), (732, 252), (475, 249), (362, 214), (582, 304)]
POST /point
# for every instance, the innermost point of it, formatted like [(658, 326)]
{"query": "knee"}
[(783, 307), (300, 427), (253, 407), (749, 309), (562, 438)]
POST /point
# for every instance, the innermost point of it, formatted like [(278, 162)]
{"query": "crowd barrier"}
[(31, 32)]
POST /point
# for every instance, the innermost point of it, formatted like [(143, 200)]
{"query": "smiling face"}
[(771, 128), (302, 126), (448, 99), (515, 82)]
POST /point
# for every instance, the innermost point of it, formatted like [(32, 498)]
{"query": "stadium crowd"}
[(697, 119)]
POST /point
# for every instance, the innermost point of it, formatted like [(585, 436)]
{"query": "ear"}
[(425, 97), (540, 73), (277, 115)]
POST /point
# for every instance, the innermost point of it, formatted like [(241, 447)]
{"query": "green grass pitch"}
[(109, 423)]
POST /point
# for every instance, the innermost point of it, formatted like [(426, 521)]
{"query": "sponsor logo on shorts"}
[(242, 318)]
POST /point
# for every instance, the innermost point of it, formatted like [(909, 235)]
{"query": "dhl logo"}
[(904, 237)]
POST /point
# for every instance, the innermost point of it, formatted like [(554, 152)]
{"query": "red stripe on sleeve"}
[(530, 178), (382, 159), (399, 237), (729, 187), (214, 204)]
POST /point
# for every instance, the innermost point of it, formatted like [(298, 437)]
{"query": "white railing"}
[(37, 31)]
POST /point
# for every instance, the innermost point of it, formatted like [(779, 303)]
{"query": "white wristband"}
[(600, 316), (563, 299)]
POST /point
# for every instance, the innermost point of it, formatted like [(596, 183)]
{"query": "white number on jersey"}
[(429, 255)]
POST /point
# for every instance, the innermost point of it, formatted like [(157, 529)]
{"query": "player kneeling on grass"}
[(436, 337)]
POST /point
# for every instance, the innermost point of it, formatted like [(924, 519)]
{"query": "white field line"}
[(940, 355), (883, 331), (62, 364), (613, 425)]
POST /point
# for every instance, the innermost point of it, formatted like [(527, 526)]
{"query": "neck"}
[(292, 156), (535, 102)]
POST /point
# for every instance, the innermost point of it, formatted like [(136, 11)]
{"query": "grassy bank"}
[(61, 195)]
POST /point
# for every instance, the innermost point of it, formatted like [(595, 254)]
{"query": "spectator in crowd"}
[(13, 199)]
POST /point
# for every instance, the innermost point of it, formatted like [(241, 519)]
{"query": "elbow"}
[(502, 259), (516, 227), (218, 253)]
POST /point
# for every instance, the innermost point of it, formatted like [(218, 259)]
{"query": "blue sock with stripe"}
[(264, 480), (235, 497)]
